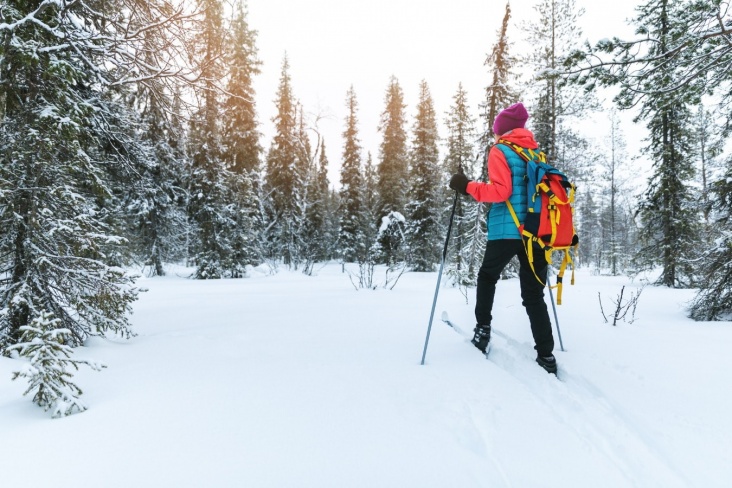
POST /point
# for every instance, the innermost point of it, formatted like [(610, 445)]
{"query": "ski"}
[(515, 345), (446, 318)]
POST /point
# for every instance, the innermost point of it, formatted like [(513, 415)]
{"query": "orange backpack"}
[(549, 219)]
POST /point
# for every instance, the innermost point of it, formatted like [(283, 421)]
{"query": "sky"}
[(332, 45)]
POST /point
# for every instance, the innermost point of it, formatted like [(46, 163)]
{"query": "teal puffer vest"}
[(500, 222)]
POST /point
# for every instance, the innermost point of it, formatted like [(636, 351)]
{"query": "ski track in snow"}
[(494, 459), (609, 428), (330, 386), (580, 405)]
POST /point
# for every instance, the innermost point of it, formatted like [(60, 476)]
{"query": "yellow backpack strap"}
[(513, 214), (518, 149), (528, 242), (560, 278), (529, 246), (566, 261)]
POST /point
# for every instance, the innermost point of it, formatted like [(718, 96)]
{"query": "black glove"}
[(459, 183)]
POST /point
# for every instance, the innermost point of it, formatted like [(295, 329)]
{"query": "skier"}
[(506, 172)]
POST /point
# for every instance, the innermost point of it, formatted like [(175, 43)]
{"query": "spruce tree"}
[(215, 253), (680, 53), (373, 226), (380, 229), (45, 344), (241, 134), (282, 169), (155, 206), (58, 209), (423, 207), (462, 136), (155, 203), (710, 146), (303, 242), (351, 235), (461, 141), (317, 225), (283, 151), (393, 168), (370, 194), (392, 173), (714, 299), (241, 148), (667, 210), (500, 93)]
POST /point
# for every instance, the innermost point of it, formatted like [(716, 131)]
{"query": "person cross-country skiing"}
[(506, 173)]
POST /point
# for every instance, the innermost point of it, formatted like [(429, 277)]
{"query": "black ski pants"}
[(497, 255)]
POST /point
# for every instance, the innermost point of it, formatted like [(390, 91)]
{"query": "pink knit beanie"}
[(511, 118)]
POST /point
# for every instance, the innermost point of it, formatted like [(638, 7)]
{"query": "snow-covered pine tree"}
[(241, 135), (370, 210), (696, 54), (373, 227), (242, 150), (155, 203), (667, 210), (207, 187), (500, 93), (179, 124), (424, 229), (463, 255), (59, 152), (393, 168), (331, 204), (710, 146), (303, 243), (680, 51), (387, 229), (714, 299), (318, 232), (351, 236), (45, 344), (663, 72), (242, 207), (392, 171), (210, 206), (130, 159), (281, 173)]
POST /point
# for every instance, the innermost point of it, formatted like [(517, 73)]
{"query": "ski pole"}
[(556, 319), (439, 276)]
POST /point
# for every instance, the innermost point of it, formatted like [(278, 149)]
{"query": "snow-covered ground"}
[(296, 381)]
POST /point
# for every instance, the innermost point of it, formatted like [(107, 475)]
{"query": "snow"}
[(387, 220), (290, 380)]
